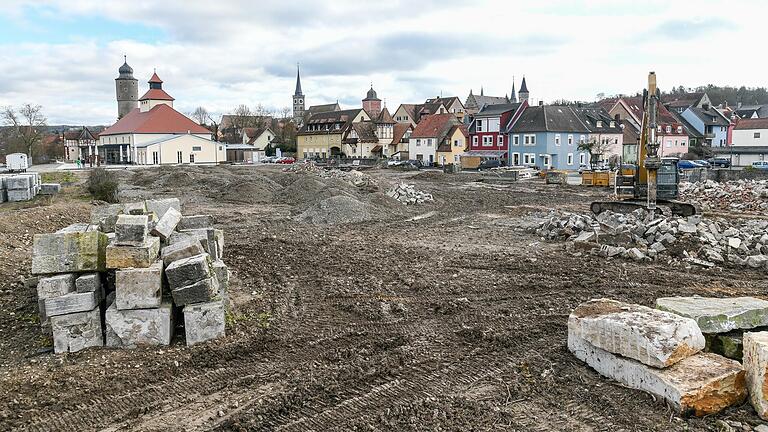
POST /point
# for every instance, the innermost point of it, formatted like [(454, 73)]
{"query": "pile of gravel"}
[(339, 209)]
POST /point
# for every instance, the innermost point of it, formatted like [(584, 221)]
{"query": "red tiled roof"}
[(758, 123), (398, 131), (155, 79), (156, 94), (161, 119), (431, 125)]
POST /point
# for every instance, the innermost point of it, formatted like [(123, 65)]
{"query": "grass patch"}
[(62, 177)]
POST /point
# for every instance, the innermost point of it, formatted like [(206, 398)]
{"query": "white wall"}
[(210, 151), (425, 150), (746, 137)]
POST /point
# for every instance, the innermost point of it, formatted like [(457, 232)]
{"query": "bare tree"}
[(27, 127), (596, 148), (200, 115), (286, 113), (213, 127)]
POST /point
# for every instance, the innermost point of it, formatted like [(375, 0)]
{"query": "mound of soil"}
[(339, 209)]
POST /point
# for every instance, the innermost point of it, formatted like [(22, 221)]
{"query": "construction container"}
[(596, 178), (470, 162), (17, 162)]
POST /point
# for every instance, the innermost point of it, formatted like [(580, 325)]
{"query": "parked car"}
[(488, 164), (703, 163), (688, 164), (761, 165), (720, 162), (414, 163), (270, 159), (286, 160), (394, 162)]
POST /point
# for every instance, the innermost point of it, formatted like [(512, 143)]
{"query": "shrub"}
[(102, 185)]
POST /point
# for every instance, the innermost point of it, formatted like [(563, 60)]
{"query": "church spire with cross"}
[(298, 99)]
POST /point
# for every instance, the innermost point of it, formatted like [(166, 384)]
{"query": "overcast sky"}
[(64, 54)]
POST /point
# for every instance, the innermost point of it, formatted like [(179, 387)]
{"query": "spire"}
[(298, 81), (470, 92), (523, 86), (513, 98), (481, 90)]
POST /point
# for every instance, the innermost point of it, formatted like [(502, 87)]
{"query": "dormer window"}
[(599, 124), (613, 124), (669, 129), (679, 129)]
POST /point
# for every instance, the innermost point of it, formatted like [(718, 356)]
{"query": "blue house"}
[(710, 123), (548, 137)]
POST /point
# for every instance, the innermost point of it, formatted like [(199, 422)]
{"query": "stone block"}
[(207, 237), (77, 252), (701, 385), (119, 257), (185, 248), (45, 322), (19, 182), (756, 366), (160, 206), (198, 292), (72, 303), (18, 195), (167, 224), (135, 208), (89, 283), (3, 195), (131, 230), (204, 321), (728, 345), (650, 336), (139, 288), (188, 271), (196, 222), (50, 188), (77, 331), (218, 235), (55, 286), (76, 228), (718, 315), (105, 216), (134, 327), (221, 271)]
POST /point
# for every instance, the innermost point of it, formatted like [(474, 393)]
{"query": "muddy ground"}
[(452, 321)]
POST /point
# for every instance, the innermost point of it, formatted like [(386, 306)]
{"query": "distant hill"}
[(732, 95)]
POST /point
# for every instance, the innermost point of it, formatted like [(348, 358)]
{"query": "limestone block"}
[(76, 228), (204, 321), (133, 256), (135, 209), (18, 195), (55, 286), (69, 252), (19, 182), (756, 366), (198, 292), (89, 283), (160, 206), (45, 322), (167, 224), (185, 248), (207, 237), (196, 222), (188, 271), (77, 331), (221, 271), (133, 327), (50, 188), (650, 336), (105, 216), (131, 230), (3, 195), (718, 315), (139, 288), (72, 303), (218, 235), (702, 384)]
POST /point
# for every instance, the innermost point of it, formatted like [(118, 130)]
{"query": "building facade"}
[(80, 144), (488, 130), (428, 135), (324, 134), (710, 123)]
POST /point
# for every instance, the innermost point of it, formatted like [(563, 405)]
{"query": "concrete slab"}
[(701, 385), (69, 252), (134, 327), (119, 257), (55, 286), (718, 315), (74, 332), (204, 321), (650, 336), (167, 224), (139, 288)]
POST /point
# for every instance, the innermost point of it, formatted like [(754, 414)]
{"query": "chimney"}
[(541, 103), (705, 107)]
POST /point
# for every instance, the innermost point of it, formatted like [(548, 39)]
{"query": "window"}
[(529, 158), (533, 139), (179, 157), (669, 143), (679, 129), (305, 155), (418, 143), (658, 129), (191, 158), (599, 124), (582, 139), (516, 140), (501, 140), (456, 143), (429, 142), (487, 141), (474, 140), (196, 148), (557, 139), (570, 139), (757, 135), (515, 159), (479, 126), (570, 158), (155, 158), (669, 129), (582, 158)]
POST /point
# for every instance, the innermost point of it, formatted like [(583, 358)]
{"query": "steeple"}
[(524, 94), (298, 82), (513, 98), (481, 90)]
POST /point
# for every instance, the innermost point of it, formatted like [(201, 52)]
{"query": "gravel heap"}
[(696, 240), (741, 195), (407, 194), (356, 178), (338, 210)]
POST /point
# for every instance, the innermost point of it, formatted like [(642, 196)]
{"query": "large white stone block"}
[(756, 366), (72, 303), (167, 224), (650, 336), (130, 328), (74, 332), (701, 385), (139, 288), (718, 315), (204, 321)]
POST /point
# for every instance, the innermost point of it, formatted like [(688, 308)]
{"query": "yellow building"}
[(324, 133), (453, 145)]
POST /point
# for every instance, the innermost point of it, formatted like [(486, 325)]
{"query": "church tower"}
[(298, 100), (127, 88), (523, 92), (372, 103)]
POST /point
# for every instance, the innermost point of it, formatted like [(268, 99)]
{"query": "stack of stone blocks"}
[(19, 187), (122, 280), (686, 351)]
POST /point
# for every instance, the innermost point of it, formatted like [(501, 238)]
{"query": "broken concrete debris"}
[(356, 178), (85, 277), (407, 194), (611, 337), (741, 195)]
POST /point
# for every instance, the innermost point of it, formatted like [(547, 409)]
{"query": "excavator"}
[(653, 184)]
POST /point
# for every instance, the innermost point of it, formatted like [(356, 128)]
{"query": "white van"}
[(761, 165)]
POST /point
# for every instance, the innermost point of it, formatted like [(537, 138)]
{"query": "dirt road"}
[(455, 320)]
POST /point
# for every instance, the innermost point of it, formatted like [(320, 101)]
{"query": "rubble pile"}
[(407, 194), (740, 195), (24, 187), (694, 239), (356, 178), (660, 352), (122, 279)]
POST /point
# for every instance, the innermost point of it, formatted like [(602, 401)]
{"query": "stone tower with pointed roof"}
[(298, 100), (127, 88), (155, 95), (372, 103), (523, 93)]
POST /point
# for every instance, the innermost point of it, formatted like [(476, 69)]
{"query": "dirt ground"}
[(439, 317)]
